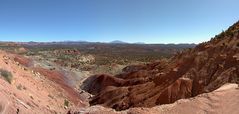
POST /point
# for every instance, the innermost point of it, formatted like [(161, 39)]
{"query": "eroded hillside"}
[(221, 101), (28, 90), (195, 71)]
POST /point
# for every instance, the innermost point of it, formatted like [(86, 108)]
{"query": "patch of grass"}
[(6, 75)]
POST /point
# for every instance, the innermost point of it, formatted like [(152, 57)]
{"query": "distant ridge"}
[(139, 43), (118, 42), (88, 42)]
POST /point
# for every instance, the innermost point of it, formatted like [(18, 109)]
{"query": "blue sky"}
[(149, 21)]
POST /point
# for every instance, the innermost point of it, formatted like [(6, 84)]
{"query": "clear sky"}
[(149, 21)]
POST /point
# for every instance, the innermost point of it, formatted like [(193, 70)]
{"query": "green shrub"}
[(66, 103), (6, 75)]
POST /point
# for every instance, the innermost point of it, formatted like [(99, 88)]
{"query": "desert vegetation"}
[(102, 56), (6, 75)]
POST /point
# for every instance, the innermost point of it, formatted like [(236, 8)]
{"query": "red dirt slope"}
[(59, 78), (31, 92)]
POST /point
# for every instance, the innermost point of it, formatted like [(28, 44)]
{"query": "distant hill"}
[(118, 42), (139, 43)]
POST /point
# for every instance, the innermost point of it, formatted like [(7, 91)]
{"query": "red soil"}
[(23, 60), (60, 79)]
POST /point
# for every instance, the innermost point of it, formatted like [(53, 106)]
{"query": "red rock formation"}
[(221, 101), (202, 69), (179, 89)]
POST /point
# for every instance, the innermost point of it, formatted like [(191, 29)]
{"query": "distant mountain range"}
[(122, 42), (112, 42)]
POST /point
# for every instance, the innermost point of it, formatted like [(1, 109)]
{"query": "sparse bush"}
[(222, 34), (32, 97), (230, 34), (66, 103), (223, 44), (6, 75), (19, 87)]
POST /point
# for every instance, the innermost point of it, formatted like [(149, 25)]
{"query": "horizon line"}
[(109, 42)]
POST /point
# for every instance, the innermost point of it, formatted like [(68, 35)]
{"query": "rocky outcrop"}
[(192, 72)]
